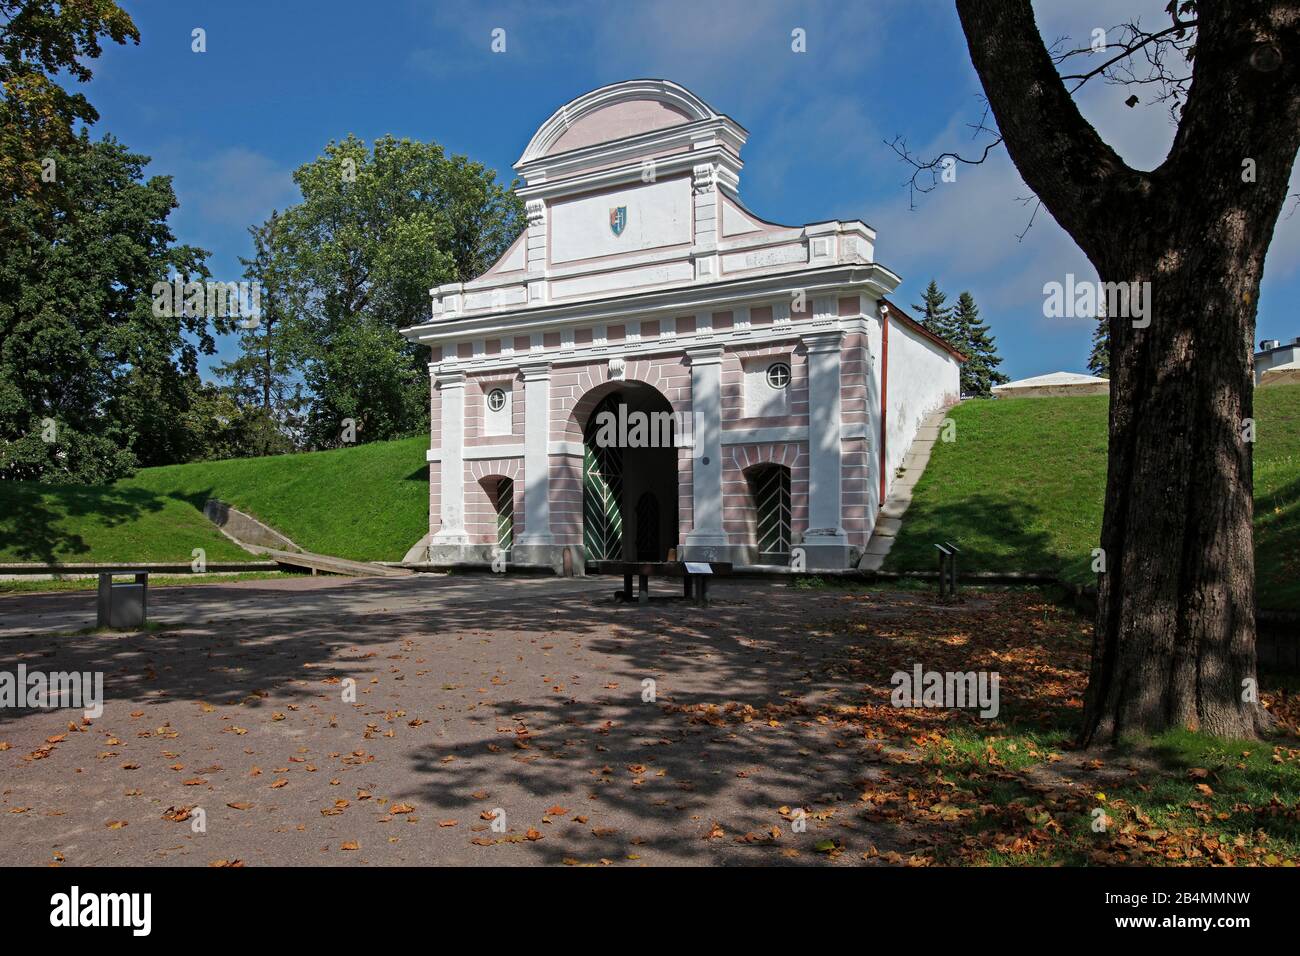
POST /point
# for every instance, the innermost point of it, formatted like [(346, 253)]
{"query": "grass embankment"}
[(48, 524), (368, 503), (1022, 488)]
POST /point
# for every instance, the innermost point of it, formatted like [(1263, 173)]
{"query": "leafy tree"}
[(91, 382), (375, 230), (485, 218), (218, 427), (366, 387), (1099, 357), (40, 39), (979, 373), (1174, 644), (81, 347)]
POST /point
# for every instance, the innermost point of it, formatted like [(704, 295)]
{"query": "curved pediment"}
[(634, 188), (614, 112)]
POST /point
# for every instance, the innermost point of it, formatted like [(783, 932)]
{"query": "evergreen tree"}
[(264, 381), (1099, 358), (936, 316), (979, 373)]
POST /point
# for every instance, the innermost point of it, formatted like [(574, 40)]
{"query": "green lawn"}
[(55, 523), (1022, 487), (368, 503), (1198, 800), (30, 585)]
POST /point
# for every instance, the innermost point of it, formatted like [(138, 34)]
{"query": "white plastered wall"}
[(922, 377)]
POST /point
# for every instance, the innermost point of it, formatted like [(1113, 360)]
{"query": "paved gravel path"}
[(473, 693)]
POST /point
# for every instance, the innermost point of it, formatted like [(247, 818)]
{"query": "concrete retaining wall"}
[(244, 529)]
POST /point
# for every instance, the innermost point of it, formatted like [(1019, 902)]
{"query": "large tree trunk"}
[(1174, 644), (1175, 638)]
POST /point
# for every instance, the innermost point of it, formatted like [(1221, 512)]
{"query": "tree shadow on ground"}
[(31, 526), (196, 499), (994, 535), (476, 692), (777, 699), (1277, 549)]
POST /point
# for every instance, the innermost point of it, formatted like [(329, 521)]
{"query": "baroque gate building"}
[(642, 288)]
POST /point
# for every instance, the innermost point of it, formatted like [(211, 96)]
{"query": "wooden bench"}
[(695, 584)]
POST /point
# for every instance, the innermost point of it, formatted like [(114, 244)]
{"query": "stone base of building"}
[(817, 556), (532, 555), (437, 553), (830, 556), (550, 555), (709, 547)]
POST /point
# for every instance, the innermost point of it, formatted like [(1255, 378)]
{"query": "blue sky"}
[(281, 78)]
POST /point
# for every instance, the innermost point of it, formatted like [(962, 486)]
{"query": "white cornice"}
[(607, 177), (688, 138), (791, 333), (518, 279), (871, 278)]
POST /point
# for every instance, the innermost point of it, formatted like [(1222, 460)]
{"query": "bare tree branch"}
[(1139, 58), (1024, 201), (917, 183), (1155, 46)]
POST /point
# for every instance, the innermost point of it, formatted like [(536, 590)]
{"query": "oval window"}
[(778, 375), (496, 399)]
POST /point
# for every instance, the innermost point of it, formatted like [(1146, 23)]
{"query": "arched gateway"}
[(643, 286), (630, 459)]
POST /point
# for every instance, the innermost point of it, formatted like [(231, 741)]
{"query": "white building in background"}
[(1273, 353), (1052, 385), (643, 286)]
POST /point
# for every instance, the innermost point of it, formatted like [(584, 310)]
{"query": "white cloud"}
[(964, 233), (236, 187)]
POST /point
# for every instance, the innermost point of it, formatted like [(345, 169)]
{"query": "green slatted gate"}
[(772, 503), (602, 493), (505, 508)]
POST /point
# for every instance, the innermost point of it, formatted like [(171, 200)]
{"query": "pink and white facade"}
[(642, 279)]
